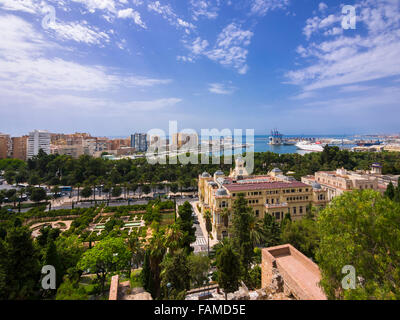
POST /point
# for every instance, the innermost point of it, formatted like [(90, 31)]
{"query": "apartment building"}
[(139, 141), (19, 147), (37, 140), (339, 181), (274, 194), (5, 146)]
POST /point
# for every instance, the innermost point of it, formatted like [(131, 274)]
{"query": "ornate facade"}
[(274, 194)]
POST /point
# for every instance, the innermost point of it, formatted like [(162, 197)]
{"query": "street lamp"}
[(169, 286)]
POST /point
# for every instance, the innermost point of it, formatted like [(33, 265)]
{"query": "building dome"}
[(205, 175), (221, 192), (219, 173), (316, 185)]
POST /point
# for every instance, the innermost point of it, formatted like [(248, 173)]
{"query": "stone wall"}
[(114, 288), (286, 269)]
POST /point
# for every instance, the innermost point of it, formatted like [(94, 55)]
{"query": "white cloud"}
[(82, 105), (304, 95), (184, 59), (93, 5), (348, 60), (130, 13), (322, 6), (24, 59), (356, 88), (198, 46), (261, 7), (203, 8), (168, 14), (315, 24), (30, 6), (221, 88), (229, 49), (78, 32)]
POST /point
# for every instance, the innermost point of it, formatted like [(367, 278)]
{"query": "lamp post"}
[(169, 286)]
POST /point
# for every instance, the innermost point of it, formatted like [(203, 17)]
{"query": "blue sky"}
[(113, 67)]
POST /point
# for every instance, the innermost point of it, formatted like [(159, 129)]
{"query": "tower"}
[(240, 169)]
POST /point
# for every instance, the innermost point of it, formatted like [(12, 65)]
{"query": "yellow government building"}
[(273, 193)]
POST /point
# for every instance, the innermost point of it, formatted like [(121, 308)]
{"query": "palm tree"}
[(2, 197), (257, 231), (133, 187), (181, 184), (207, 218), (173, 238), (193, 184), (107, 189), (225, 216), (21, 193), (156, 249), (78, 186), (135, 246)]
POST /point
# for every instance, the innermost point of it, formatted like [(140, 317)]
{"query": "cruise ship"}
[(309, 146)]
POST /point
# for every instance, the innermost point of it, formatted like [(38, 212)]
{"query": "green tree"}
[(38, 195), (254, 278), (116, 191), (390, 191), (146, 189), (228, 265), (199, 265), (176, 272), (397, 192), (86, 192), (70, 290), (243, 219), (155, 252), (21, 265), (303, 235), (174, 237), (21, 193), (174, 188), (209, 227), (70, 250), (46, 234), (135, 246), (360, 229), (9, 176), (272, 231), (186, 224), (51, 257), (108, 255)]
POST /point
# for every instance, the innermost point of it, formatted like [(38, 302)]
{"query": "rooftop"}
[(264, 185), (300, 274)]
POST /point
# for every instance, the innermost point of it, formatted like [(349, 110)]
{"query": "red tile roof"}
[(236, 187)]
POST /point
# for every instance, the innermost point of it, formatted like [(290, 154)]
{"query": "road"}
[(112, 203), (200, 245)]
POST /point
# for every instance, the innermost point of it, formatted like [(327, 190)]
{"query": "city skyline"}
[(113, 68)]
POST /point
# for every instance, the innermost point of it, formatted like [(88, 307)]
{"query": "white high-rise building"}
[(38, 139)]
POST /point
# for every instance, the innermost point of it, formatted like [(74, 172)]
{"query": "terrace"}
[(300, 275)]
